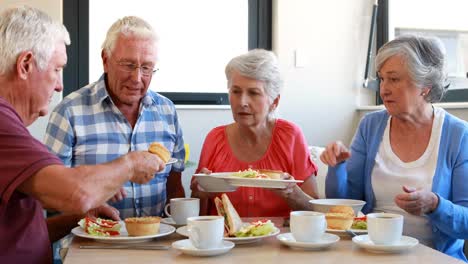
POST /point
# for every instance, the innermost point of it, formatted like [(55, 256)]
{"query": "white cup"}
[(308, 226), (206, 232), (384, 229), (183, 208)]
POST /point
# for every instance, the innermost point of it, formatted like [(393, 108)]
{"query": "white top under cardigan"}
[(390, 174)]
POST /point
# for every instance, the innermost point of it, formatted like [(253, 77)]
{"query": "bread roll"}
[(142, 226), (160, 150), (342, 209), (272, 174), (340, 217)]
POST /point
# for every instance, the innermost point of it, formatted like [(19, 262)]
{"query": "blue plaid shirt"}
[(87, 128)]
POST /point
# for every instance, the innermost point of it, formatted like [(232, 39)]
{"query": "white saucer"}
[(405, 243), (186, 247), (169, 221), (325, 241)]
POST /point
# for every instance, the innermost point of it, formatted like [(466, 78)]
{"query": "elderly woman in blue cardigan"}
[(412, 157)]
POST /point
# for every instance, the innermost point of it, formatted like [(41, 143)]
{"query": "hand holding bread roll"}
[(162, 152)]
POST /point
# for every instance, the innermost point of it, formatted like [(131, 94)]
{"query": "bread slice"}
[(160, 150), (232, 220), (272, 174), (142, 226)]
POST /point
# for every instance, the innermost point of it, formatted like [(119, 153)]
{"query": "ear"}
[(105, 60), (425, 91), (275, 103), (25, 64)]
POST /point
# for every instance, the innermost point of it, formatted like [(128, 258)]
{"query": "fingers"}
[(205, 171), (408, 189), (334, 153)]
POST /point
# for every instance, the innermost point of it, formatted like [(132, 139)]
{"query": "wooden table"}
[(269, 250)]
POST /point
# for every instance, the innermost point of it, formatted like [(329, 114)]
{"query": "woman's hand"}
[(335, 153), (198, 191), (417, 201), (289, 186)]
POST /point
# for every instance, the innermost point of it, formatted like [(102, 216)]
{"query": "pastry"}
[(160, 150), (142, 226)]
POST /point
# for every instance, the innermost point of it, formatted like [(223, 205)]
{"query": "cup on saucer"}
[(384, 228), (182, 208), (307, 226), (206, 232)]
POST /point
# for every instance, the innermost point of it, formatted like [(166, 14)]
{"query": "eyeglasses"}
[(130, 67)]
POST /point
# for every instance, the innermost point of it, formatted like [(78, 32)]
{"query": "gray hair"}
[(28, 29), (258, 64), (425, 60), (127, 26)]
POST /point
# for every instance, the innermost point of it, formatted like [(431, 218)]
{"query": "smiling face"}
[(127, 88), (43, 83), (250, 103), (398, 91)]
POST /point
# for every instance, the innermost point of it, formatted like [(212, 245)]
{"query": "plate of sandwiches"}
[(240, 232), (248, 178), (132, 230)]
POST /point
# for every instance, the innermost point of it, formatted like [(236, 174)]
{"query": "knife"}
[(143, 247)]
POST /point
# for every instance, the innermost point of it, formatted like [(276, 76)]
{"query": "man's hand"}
[(144, 165), (119, 196), (335, 153), (417, 201), (105, 211)]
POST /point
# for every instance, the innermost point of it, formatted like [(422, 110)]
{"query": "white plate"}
[(343, 232), (171, 161), (169, 221), (214, 182), (325, 241), (186, 247), (123, 238), (234, 181), (238, 240), (405, 243)]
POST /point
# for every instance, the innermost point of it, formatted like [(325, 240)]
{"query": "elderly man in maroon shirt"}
[(32, 56)]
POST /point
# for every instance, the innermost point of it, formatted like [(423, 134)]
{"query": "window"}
[(444, 19), (197, 39)]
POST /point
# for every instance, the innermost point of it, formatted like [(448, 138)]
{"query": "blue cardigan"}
[(352, 178)]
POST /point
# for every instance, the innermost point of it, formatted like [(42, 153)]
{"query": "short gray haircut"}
[(128, 26), (28, 29), (425, 60), (258, 64)]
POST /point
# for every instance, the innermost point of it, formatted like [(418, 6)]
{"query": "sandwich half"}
[(232, 220)]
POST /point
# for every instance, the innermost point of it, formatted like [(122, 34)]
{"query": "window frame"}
[(451, 96), (76, 74)]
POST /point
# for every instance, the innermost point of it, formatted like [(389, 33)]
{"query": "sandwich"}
[(232, 220), (160, 150), (233, 225), (100, 227), (340, 217), (142, 226)]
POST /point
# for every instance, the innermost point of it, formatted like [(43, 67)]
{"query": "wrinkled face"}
[(42, 84), (398, 92), (250, 103), (127, 88)]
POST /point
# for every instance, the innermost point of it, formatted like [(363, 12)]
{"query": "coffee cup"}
[(384, 228), (206, 232), (182, 208), (307, 226)]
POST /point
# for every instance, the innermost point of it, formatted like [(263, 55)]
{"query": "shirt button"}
[(250, 197)]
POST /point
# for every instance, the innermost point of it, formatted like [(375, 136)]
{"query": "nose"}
[(136, 74), (244, 100), (59, 86)]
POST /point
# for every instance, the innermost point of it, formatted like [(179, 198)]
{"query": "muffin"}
[(340, 217), (160, 150), (142, 226)]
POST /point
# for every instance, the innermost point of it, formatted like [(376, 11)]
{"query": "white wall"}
[(54, 9)]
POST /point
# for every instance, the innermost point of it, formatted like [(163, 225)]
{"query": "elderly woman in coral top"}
[(257, 140), (412, 157)]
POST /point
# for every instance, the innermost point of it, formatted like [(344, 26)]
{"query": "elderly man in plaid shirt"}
[(118, 114)]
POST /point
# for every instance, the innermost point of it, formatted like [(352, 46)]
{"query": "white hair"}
[(28, 29), (127, 26)]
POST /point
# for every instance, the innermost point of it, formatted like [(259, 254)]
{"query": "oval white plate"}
[(186, 247), (123, 238), (405, 243), (238, 240), (325, 241)]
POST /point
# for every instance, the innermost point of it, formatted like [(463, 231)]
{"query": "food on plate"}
[(359, 223), (233, 224), (100, 227), (340, 217), (259, 174), (142, 226), (160, 150)]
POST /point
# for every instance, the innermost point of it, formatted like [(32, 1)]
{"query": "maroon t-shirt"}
[(23, 230)]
